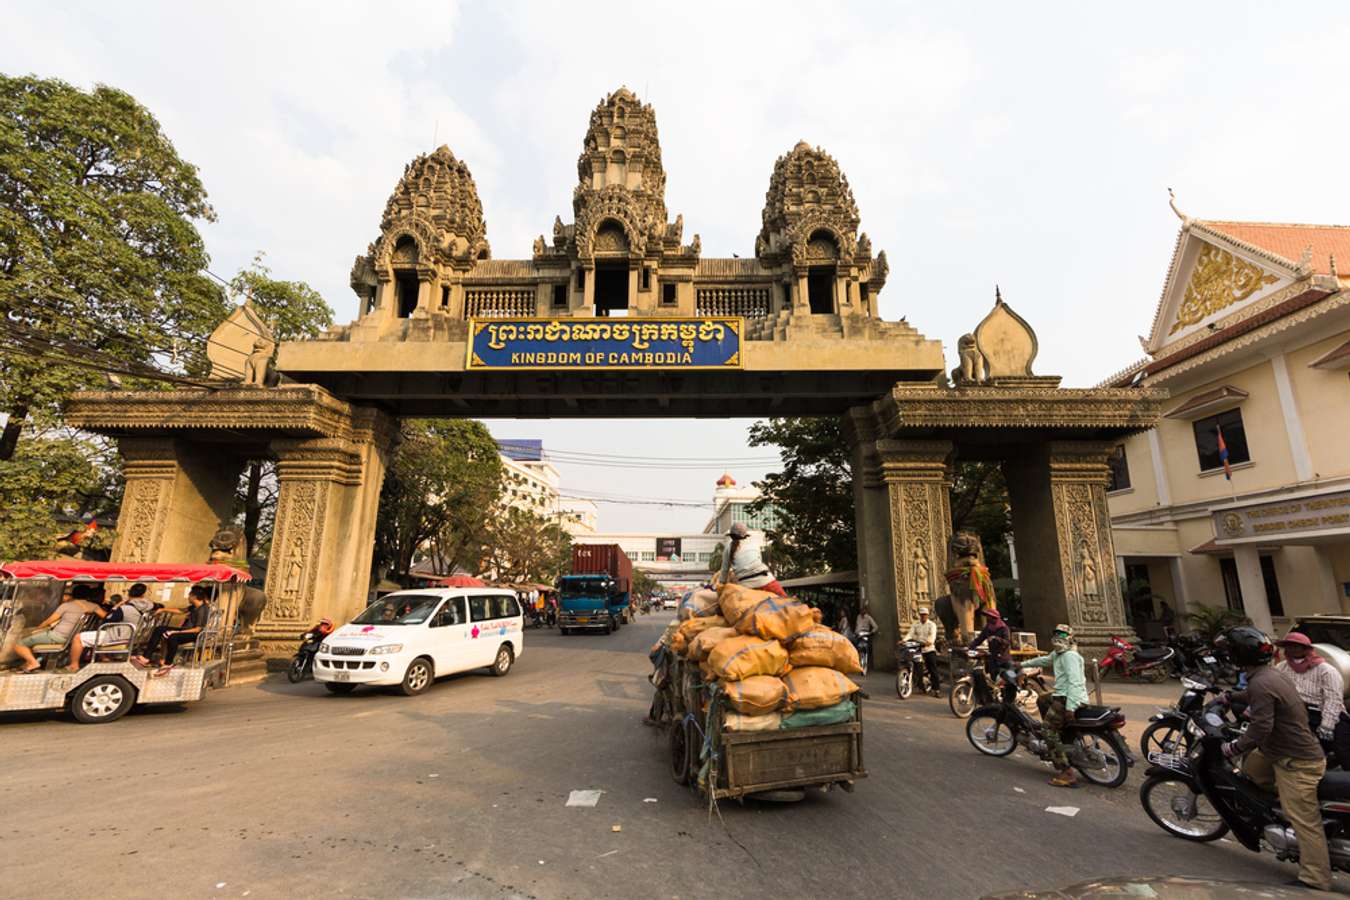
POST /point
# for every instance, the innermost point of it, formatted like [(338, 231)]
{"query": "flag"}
[(1223, 454)]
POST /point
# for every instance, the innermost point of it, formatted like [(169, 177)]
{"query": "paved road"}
[(275, 790)]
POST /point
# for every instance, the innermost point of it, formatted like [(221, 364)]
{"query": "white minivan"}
[(409, 638)]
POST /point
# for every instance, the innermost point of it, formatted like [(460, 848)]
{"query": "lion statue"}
[(969, 587), (226, 549)]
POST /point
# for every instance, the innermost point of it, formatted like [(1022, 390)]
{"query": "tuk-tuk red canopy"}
[(459, 581), (84, 570)]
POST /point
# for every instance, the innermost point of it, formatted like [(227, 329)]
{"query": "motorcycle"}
[(909, 660), (1200, 796), (302, 664), (973, 689), (1092, 737), (1150, 663), (1198, 660), (1166, 732), (864, 644)]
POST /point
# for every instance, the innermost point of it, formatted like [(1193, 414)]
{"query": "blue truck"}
[(596, 593)]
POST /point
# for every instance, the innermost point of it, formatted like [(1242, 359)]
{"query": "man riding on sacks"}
[(1057, 706)]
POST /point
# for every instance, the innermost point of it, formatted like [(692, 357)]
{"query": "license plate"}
[(582, 619), (1207, 659), (342, 676)]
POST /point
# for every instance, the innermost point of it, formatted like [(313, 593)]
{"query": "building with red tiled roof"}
[(1251, 337)]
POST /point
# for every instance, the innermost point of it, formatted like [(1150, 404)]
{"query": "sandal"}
[(162, 671), (30, 671)]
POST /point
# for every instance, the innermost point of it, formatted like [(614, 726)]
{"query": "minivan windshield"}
[(399, 609)]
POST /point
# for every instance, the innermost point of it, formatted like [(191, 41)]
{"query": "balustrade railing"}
[(750, 302), (488, 303)]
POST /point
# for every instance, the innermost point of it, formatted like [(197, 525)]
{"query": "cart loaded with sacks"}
[(756, 695)]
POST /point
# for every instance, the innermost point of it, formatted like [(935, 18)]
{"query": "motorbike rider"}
[(1320, 685), (1057, 706), (925, 632), (1282, 751), (996, 632)]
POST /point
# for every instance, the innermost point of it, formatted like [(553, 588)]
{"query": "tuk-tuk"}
[(105, 688)]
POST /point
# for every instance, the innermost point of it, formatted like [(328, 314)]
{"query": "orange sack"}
[(692, 628), (705, 641), (744, 657), (778, 618), (821, 646), (815, 686), (756, 696), (736, 601)]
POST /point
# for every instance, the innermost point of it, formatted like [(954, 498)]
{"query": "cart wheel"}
[(103, 699), (680, 754)]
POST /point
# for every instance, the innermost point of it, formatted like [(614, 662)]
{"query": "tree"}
[(98, 247), (51, 477), (979, 503), (644, 585), (295, 311), (813, 495), (522, 546), (442, 485)]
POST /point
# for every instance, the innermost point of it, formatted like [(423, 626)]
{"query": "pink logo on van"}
[(368, 629), (475, 631)]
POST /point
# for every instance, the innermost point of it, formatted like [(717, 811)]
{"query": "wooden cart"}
[(774, 765)]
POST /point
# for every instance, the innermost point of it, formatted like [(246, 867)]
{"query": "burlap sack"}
[(691, 628), (777, 618), (705, 641), (744, 657), (819, 646), (736, 601), (698, 603), (815, 686), (735, 721), (756, 696)]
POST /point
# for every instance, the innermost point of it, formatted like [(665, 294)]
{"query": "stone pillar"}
[(1064, 545), (801, 296), (177, 496), (323, 536), (1255, 603), (876, 577), (912, 546)]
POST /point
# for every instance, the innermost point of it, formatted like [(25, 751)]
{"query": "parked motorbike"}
[(864, 643), (1196, 659), (1200, 796), (1094, 745), (973, 689), (908, 661), (1147, 663), (302, 664)]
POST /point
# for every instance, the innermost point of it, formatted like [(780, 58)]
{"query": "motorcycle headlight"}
[(1193, 729), (323, 648), (386, 648)]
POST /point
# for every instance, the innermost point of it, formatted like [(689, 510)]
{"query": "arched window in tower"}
[(822, 257), (405, 259), (619, 136)]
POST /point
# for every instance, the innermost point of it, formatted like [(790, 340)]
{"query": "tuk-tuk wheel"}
[(680, 763), (103, 699)]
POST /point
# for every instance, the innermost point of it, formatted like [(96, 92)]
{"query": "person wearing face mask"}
[(1057, 707), (1321, 689)]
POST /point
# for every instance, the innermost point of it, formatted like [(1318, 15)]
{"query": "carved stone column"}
[(1064, 546), (323, 536), (872, 518), (918, 482), (177, 494)]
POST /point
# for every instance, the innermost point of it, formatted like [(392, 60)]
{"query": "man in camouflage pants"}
[(1057, 708)]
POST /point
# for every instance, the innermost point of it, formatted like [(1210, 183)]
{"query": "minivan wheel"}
[(418, 677), (502, 664)]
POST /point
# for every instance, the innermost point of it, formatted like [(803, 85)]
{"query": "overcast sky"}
[(1028, 145)]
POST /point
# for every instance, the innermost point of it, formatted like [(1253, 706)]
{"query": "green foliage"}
[(293, 309), (47, 478), (979, 501), (97, 242), (644, 585), (442, 486), (1211, 621), (813, 494), (521, 546)]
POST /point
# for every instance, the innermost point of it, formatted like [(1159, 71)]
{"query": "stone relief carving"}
[(922, 579), (141, 505), (1218, 280)]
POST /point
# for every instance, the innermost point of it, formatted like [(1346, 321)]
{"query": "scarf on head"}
[(1302, 665), (977, 574)]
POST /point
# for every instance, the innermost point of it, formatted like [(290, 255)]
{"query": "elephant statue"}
[(969, 587)]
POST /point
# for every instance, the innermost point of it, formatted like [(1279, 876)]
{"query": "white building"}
[(732, 504)]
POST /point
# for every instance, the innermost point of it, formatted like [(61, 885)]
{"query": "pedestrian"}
[(925, 632), (1282, 752), (1320, 686), (1057, 707), (743, 562)]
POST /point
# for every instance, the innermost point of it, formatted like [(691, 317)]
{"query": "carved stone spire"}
[(808, 195)]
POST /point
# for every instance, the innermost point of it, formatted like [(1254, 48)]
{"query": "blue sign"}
[(712, 342)]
